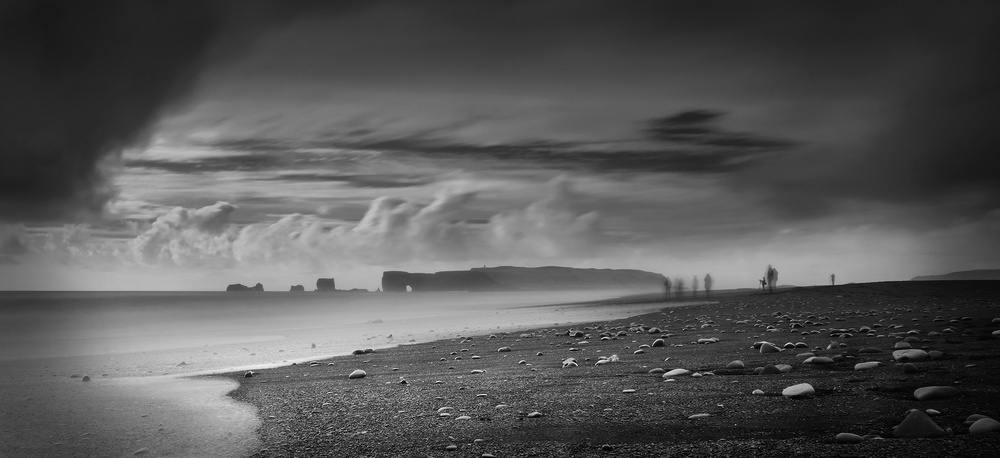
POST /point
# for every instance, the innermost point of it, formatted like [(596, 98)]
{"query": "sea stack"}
[(326, 284), (241, 287)]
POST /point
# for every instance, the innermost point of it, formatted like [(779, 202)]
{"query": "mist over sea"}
[(135, 345)]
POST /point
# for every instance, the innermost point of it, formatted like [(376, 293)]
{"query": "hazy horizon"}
[(189, 145)]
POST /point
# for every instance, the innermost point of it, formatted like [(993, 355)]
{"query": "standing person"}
[(708, 285), (680, 288), (694, 287), (666, 286), (833, 279), (763, 283)]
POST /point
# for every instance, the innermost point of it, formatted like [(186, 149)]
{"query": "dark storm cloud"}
[(82, 80), (561, 155), (686, 142), (235, 163), (359, 181), (698, 127), (937, 141)]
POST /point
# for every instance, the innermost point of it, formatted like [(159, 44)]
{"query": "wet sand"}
[(621, 409), (142, 395)]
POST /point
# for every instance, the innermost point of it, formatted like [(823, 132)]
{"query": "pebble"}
[(86, 378), (676, 372), (929, 393), (910, 368), (357, 374), (800, 391), (657, 370), (917, 424), (451, 448), (503, 349), (628, 390), (984, 425), (848, 438), (758, 392), (535, 414), (735, 365), (699, 415), (768, 347), (910, 354), (477, 371), (140, 452), (818, 360), (659, 343), (867, 366), (464, 417)]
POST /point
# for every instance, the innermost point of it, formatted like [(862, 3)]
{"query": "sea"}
[(116, 373)]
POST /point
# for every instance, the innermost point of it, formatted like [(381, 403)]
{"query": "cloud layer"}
[(392, 232)]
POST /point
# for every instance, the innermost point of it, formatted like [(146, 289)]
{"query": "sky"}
[(187, 145)]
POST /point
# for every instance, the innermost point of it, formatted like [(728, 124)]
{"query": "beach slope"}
[(472, 396)]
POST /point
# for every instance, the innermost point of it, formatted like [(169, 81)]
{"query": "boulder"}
[(800, 391), (930, 393), (297, 288), (909, 354), (985, 425), (357, 374), (917, 425), (848, 438)]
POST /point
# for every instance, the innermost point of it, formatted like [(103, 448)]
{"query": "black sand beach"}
[(621, 409)]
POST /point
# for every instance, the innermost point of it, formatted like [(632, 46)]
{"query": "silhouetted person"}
[(763, 283), (680, 288), (666, 286), (708, 285), (772, 278), (694, 286), (833, 279)]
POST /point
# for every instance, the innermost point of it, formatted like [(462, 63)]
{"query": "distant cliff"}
[(239, 287), (521, 279), (982, 274)]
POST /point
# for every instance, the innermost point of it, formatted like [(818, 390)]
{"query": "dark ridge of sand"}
[(318, 411)]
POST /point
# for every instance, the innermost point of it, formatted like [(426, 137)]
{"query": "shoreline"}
[(317, 410)]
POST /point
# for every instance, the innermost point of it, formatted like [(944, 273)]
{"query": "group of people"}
[(679, 285), (767, 283)]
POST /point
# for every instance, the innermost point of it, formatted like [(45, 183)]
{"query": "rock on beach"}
[(917, 425), (357, 374), (866, 366), (676, 372), (800, 391), (984, 425), (848, 438), (909, 354), (930, 393)]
